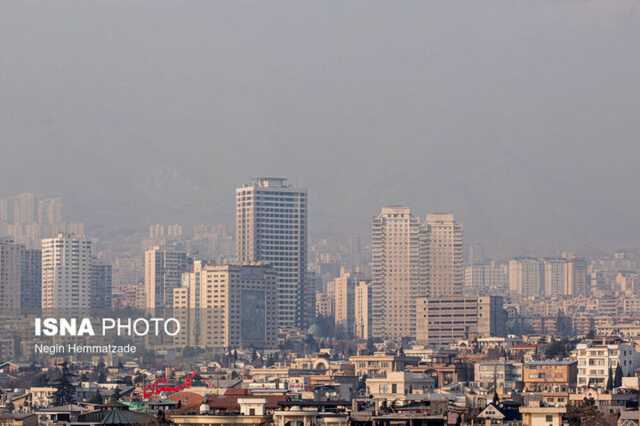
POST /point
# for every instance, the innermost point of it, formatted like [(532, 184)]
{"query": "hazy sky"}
[(522, 117)]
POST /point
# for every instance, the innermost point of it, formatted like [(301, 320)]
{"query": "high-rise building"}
[(363, 310), (50, 211), (344, 305), (486, 278), (555, 277), (526, 276), (446, 255), (24, 208), (400, 271), (66, 273), (227, 306), (576, 280), (312, 282), (10, 275), (31, 280), (101, 285), (163, 268), (271, 227)]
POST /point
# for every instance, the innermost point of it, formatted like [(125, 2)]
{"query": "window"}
[(548, 418)]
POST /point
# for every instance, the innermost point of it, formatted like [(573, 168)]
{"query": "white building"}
[(400, 386), (66, 273), (400, 271), (271, 226), (363, 310), (597, 361)]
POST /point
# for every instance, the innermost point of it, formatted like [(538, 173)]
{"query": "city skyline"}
[(519, 135)]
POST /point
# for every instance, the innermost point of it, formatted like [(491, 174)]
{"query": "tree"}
[(66, 393), (587, 414), (617, 378), (115, 395), (101, 372), (556, 349), (97, 398)]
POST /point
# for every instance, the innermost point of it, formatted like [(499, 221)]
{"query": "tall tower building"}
[(446, 255), (163, 268), (345, 287), (363, 310), (50, 211), (31, 280), (555, 276), (526, 276), (101, 285), (24, 208), (66, 273), (271, 227), (10, 275), (400, 271)]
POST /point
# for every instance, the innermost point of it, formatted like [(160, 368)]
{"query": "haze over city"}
[(520, 117)]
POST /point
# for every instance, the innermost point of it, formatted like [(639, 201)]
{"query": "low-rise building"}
[(550, 375)]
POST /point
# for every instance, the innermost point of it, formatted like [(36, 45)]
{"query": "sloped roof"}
[(117, 416)]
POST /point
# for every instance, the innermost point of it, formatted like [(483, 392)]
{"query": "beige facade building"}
[(345, 304), (445, 320), (227, 306), (555, 277), (271, 227), (526, 276), (400, 271), (363, 310), (66, 273), (446, 255)]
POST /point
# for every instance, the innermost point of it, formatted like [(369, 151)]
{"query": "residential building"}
[(399, 386), (271, 227), (66, 273), (363, 310), (526, 276), (400, 271), (536, 415), (446, 255), (550, 376), (598, 360), (101, 283), (345, 303), (486, 278), (31, 280), (555, 277), (10, 275), (499, 374), (163, 268)]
